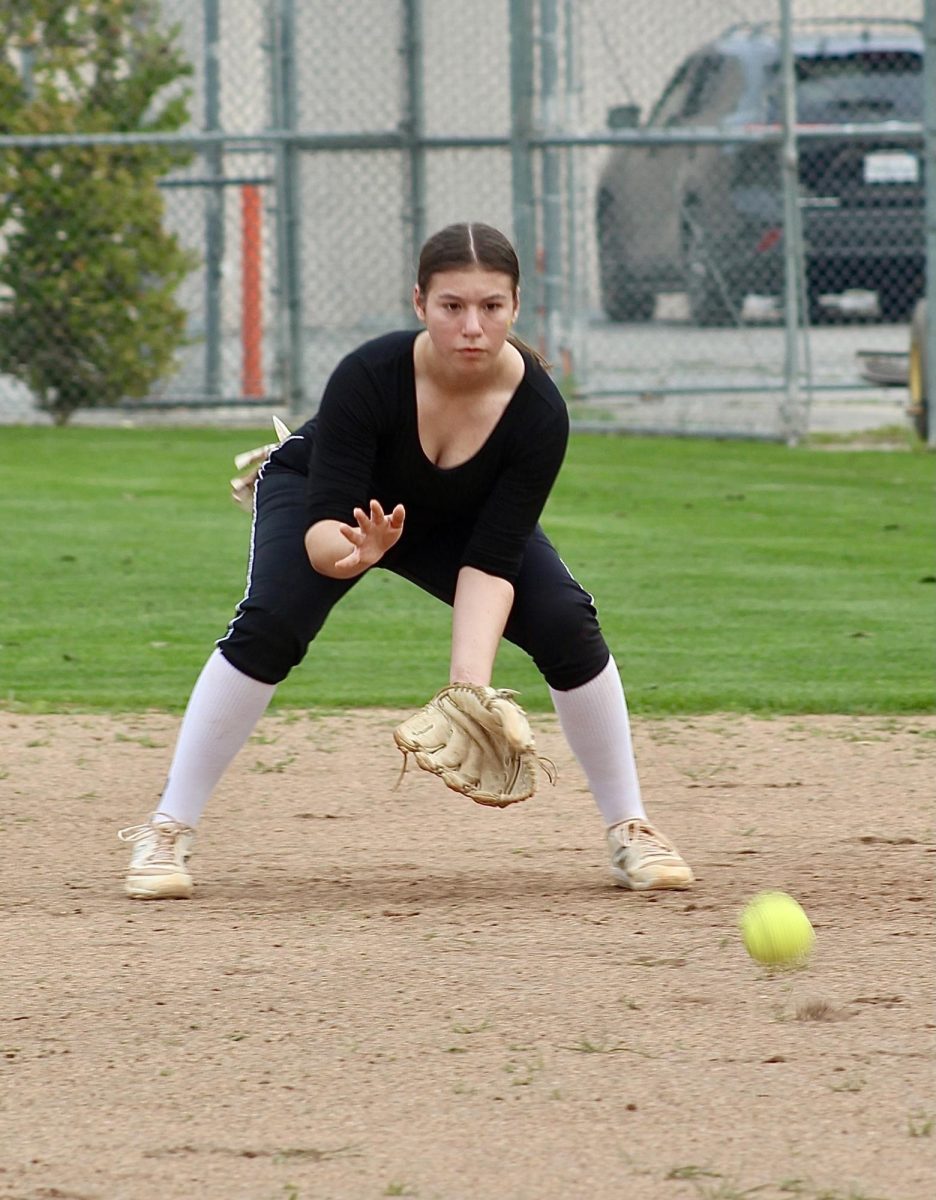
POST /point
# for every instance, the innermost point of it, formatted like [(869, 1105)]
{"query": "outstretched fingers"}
[(354, 533), (374, 533), (377, 518)]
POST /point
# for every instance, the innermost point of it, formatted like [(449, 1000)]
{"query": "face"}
[(468, 314)]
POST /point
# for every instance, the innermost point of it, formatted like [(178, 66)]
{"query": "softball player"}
[(432, 455)]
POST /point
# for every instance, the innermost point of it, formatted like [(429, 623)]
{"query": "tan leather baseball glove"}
[(478, 741)]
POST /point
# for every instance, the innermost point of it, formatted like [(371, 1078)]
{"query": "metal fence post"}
[(288, 230), (214, 200), (929, 132), (28, 64), (281, 323), (521, 158), (414, 125), (576, 203), (552, 252), (792, 260)]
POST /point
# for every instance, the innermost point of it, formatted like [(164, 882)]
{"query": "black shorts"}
[(286, 602)]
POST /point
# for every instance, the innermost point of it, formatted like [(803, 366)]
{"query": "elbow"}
[(314, 552)]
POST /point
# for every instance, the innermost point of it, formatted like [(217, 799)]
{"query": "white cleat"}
[(158, 866), (643, 859)]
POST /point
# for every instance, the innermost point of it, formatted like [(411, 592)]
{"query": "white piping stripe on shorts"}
[(250, 554), (591, 598)]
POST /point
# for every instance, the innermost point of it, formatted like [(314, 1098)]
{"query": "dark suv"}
[(708, 219)]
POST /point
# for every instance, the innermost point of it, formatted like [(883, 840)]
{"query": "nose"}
[(472, 324)]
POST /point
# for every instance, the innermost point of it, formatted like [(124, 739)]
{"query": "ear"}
[(516, 306), (419, 306)]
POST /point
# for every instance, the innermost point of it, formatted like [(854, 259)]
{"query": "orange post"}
[(251, 294)]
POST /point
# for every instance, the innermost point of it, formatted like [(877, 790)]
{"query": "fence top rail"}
[(394, 140), (259, 139)]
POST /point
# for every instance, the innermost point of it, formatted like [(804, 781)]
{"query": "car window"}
[(724, 96), (669, 108), (874, 85), (702, 86)]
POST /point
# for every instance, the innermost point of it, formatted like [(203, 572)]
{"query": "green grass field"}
[(729, 577)]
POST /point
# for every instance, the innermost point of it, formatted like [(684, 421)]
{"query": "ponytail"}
[(525, 348)]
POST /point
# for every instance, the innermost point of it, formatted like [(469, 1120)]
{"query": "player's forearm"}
[(482, 606), (326, 546)]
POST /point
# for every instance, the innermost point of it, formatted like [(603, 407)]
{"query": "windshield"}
[(880, 85)]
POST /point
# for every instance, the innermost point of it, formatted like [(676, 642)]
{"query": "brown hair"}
[(472, 244)]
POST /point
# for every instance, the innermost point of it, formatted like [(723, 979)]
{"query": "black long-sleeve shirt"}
[(365, 445)]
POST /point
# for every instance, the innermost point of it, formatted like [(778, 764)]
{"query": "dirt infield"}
[(398, 993)]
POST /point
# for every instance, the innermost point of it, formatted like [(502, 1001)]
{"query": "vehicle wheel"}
[(620, 300), (817, 311), (708, 304), (896, 301), (919, 401), (622, 304)]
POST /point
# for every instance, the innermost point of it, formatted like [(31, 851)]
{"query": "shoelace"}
[(656, 846), (163, 850)]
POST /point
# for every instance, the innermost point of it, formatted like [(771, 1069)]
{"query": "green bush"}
[(88, 274)]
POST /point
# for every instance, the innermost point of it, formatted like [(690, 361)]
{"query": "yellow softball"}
[(775, 930)]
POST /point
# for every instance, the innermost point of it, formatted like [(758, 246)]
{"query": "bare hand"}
[(372, 537)]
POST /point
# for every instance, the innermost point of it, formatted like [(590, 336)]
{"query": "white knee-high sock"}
[(224, 707), (596, 725)]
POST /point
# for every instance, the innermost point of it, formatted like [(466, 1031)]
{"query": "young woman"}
[(432, 455)]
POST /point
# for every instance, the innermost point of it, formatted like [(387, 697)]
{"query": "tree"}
[(88, 273)]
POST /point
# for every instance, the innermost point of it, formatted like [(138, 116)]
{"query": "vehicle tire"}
[(622, 303), (817, 312), (708, 304), (895, 300), (919, 401), (620, 299)]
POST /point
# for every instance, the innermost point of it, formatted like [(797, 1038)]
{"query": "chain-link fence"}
[(719, 204)]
